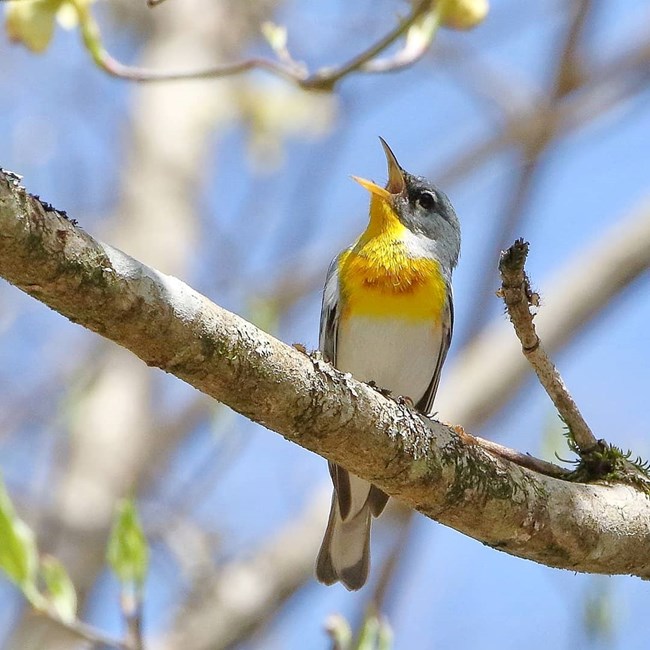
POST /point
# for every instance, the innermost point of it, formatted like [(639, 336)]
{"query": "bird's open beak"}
[(395, 184), (373, 187)]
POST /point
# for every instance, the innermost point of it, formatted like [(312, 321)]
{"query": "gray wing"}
[(425, 405), (329, 326), (329, 315)]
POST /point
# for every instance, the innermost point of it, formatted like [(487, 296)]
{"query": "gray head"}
[(423, 208)]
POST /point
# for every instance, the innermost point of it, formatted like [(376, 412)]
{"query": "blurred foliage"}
[(60, 590), (32, 22), (464, 14), (128, 551), (374, 633), (274, 111), (599, 619), (19, 559), (18, 552)]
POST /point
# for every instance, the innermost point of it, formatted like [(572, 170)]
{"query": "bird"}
[(387, 318)]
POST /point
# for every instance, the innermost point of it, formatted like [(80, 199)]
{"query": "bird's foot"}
[(382, 391)]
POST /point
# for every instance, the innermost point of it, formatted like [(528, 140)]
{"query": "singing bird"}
[(387, 317)]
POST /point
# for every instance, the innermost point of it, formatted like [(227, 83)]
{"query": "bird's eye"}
[(427, 200)]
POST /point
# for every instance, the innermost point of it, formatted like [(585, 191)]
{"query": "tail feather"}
[(345, 552)]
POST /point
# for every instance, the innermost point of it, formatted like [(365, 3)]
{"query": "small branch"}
[(92, 40), (524, 460), (519, 298), (324, 79), (419, 37), (131, 606), (85, 631)]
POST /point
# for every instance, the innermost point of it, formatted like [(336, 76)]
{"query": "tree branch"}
[(324, 79), (590, 528), (79, 630), (519, 298)]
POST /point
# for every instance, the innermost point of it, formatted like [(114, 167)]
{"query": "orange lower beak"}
[(373, 188)]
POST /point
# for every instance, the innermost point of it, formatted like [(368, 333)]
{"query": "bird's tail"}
[(345, 552)]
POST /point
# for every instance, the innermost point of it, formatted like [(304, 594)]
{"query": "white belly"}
[(398, 355)]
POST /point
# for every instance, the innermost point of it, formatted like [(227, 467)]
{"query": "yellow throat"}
[(379, 278)]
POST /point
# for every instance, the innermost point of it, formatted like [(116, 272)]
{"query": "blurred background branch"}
[(33, 27)]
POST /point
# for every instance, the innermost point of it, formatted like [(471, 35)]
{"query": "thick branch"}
[(592, 528)]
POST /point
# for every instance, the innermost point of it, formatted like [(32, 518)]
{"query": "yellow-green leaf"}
[(464, 14), (31, 22), (61, 593), (128, 552), (375, 634), (18, 553)]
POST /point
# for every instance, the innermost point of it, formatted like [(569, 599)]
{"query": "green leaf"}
[(368, 634), (128, 552), (18, 553), (385, 640), (375, 634), (61, 595), (31, 23)]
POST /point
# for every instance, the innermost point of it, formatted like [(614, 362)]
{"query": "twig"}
[(326, 79), (323, 79), (84, 631), (524, 460), (131, 606), (91, 36), (419, 37), (514, 456), (519, 298)]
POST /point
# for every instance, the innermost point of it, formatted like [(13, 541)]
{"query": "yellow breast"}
[(378, 277)]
